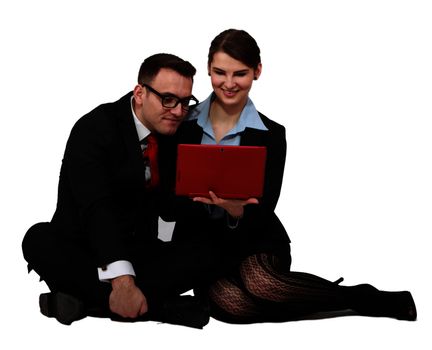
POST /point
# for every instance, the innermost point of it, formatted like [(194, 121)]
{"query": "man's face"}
[(148, 105)]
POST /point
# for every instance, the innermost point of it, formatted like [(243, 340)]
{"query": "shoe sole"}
[(63, 307)]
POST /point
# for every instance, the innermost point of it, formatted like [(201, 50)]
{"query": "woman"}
[(256, 284)]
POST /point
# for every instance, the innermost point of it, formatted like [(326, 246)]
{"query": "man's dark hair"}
[(153, 64)]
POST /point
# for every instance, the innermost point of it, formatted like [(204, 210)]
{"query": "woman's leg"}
[(266, 290)]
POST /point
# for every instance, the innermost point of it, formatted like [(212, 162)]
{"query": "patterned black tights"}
[(265, 291)]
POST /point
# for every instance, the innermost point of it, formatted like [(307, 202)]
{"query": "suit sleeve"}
[(275, 165), (90, 174)]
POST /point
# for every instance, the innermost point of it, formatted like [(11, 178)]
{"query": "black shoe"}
[(63, 307), (185, 310), (369, 301)]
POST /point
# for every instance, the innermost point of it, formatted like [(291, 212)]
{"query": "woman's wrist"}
[(236, 213), (233, 222)]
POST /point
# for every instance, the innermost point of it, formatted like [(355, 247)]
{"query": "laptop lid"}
[(231, 172)]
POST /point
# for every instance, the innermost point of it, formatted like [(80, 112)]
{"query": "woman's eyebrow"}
[(237, 71)]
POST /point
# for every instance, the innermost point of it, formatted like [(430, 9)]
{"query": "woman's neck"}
[(223, 118)]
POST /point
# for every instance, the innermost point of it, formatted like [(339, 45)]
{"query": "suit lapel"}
[(130, 136), (254, 137), (190, 132)]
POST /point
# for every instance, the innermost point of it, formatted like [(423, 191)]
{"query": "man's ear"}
[(138, 92)]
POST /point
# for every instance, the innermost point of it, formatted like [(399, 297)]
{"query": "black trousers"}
[(162, 269)]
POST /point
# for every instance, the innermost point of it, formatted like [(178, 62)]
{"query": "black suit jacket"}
[(259, 220), (101, 195)]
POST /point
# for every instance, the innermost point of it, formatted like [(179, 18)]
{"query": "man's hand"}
[(126, 299), (234, 207)]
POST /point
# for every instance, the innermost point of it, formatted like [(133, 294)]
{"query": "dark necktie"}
[(150, 155)]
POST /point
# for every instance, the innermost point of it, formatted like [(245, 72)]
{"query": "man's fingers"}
[(143, 309)]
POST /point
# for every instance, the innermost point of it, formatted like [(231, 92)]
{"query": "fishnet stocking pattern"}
[(265, 291), (263, 281), (230, 298)]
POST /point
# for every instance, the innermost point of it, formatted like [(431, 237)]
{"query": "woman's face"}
[(231, 79)]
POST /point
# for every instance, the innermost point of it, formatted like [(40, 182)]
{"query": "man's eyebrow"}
[(170, 94), (167, 93)]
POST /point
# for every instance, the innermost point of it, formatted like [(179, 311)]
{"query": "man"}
[(100, 254)]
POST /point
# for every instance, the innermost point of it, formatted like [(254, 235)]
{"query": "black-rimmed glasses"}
[(171, 100)]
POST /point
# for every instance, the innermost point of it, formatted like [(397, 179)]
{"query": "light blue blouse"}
[(249, 118)]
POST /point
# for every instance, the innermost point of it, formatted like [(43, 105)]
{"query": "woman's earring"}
[(255, 77)]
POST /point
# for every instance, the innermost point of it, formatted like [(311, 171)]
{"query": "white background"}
[(350, 80)]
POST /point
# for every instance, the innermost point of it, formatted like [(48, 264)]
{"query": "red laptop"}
[(231, 172)]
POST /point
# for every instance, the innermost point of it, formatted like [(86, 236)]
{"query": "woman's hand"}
[(234, 207)]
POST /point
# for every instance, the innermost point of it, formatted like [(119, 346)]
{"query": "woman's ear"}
[(257, 72)]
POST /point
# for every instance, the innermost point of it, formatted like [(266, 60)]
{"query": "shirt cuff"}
[(117, 268)]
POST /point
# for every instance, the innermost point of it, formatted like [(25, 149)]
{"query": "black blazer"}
[(101, 192), (258, 219)]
